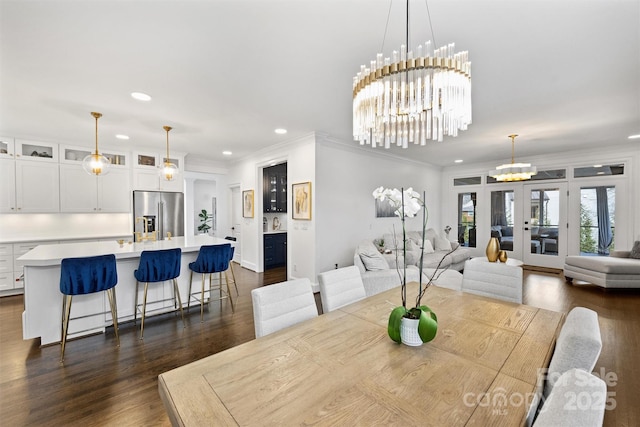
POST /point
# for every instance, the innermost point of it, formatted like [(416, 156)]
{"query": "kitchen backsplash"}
[(274, 222), (27, 227)]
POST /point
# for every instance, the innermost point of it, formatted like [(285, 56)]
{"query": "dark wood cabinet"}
[(274, 192), (275, 250)]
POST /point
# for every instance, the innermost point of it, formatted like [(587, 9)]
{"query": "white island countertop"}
[(44, 255)]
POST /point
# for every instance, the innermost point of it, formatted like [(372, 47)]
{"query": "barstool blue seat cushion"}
[(80, 276), (158, 266), (212, 259)]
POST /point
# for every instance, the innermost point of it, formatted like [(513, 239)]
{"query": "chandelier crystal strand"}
[(412, 98)]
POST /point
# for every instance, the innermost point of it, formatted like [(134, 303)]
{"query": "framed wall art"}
[(301, 200), (247, 204)]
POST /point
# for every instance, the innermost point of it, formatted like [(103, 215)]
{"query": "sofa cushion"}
[(442, 244), (635, 251), (371, 258)]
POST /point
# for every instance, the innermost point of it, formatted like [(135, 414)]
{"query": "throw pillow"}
[(442, 244), (428, 247), (412, 246), (371, 258), (635, 251)]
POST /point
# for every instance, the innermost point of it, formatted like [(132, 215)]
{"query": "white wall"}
[(346, 176), (199, 189)]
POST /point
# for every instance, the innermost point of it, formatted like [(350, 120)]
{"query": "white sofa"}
[(618, 270), (379, 272), (436, 247)]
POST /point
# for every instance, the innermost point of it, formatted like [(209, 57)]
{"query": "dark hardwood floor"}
[(100, 384)]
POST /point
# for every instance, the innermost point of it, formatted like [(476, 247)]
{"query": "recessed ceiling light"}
[(597, 166), (634, 136), (120, 136), (600, 173), (280, 131), (458, 161), (227, 153), (140, 96)]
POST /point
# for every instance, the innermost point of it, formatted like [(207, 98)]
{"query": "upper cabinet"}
[(30, 183), (147, 172), (274, 190), (38, 151), (6, 147)]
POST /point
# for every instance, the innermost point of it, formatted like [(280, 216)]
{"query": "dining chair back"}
[(211, 259), (157, 267), (282, 305), (87, 275), (578, 345), (493, 279), (340, 287)]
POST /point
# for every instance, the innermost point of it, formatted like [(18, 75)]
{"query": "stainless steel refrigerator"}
[(162, 212)]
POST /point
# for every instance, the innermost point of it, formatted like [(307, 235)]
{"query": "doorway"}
[(530, 221)]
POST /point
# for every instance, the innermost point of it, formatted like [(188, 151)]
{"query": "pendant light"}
[(513, 171), (96, 163), (169, 170)]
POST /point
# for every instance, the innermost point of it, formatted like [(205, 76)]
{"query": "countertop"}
[(274, 232), (44, 255)]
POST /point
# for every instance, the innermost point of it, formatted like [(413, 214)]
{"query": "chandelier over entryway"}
[(412, 97), (513, 171)]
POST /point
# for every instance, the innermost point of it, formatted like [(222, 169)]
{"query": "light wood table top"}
[(342, 369)]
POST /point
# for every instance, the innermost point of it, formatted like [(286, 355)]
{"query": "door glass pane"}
[(502, 209), (597, 220), (467, 219), (545, 215)]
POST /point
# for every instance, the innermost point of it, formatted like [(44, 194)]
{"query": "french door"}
[(531, 221)]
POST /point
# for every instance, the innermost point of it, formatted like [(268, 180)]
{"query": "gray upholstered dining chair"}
[(282, 305), (340, 287), (565, 405)]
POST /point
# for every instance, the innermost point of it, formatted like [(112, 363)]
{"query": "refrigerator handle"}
[(160, 221)]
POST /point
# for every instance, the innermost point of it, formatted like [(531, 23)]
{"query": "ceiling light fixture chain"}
[(412, 98)]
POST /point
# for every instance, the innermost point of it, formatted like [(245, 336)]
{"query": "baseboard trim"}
[(542, 269)]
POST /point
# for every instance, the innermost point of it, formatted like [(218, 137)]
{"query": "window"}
[(467, 219), (597, 220), (598, 170)]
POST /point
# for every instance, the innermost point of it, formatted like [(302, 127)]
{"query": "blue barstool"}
[(211, 259), (87, 275), (233, 275), (155, 267)]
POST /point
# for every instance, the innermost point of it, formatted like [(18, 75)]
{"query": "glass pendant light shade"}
[(169, 170), (96, 163)]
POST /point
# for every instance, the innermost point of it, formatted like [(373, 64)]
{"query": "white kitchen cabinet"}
[(37, 187), (7, 185), (20, 249), (6, 267), (36, 151), (6, 147), (81, 192)]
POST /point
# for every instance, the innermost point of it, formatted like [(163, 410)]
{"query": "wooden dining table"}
[(342, 368)]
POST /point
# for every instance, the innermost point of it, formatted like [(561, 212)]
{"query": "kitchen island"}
[(43, 300)]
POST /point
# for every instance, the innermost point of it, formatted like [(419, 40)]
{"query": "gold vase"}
[(502, 256), (493, 249)]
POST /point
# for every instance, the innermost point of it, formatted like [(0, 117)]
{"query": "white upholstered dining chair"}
[(340, 287), (492, 279), (282, 305)]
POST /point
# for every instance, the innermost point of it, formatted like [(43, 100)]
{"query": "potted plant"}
[(205, 219), (417, 324)]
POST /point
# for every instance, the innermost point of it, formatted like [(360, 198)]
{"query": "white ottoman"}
[(493, 279)]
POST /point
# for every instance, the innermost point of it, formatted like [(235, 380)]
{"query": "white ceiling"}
[(563, 74)]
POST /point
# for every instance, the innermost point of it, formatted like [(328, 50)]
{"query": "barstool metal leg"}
[(233, 275), (189, 294), (226, 278), (176, 293), (135, 307), (66, 313), (111, 293), (144, 309), (202, 298)]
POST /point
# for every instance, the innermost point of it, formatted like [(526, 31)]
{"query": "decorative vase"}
[(502, 256), (409, 332), (493, 249)]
